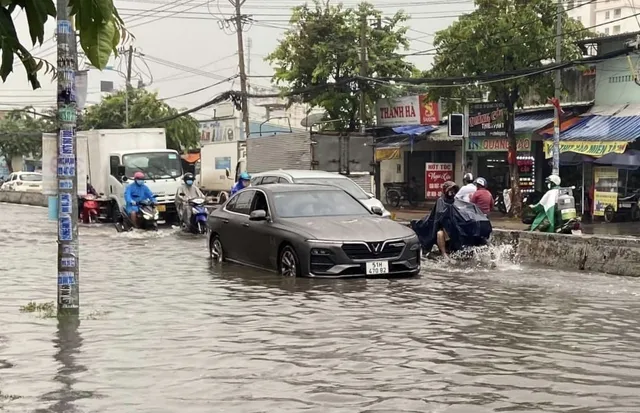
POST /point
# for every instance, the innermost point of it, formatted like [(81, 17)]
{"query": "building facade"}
[(610, 16)]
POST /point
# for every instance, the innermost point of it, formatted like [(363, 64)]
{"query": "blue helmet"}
[(245, 176)]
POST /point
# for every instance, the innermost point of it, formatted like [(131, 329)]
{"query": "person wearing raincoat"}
[(136, 193)]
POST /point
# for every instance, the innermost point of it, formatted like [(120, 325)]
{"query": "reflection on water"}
[(164, 331)]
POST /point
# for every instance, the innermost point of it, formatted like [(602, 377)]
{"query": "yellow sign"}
[(605, 181), (386, 154), (595, 149)]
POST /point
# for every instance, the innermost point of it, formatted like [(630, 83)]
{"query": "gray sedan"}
[(310, 230)]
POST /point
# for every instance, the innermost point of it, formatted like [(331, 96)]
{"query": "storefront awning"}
[(527, 123), (414, 130), (604, 128), (564, 126), (191, 157), (406, 135)]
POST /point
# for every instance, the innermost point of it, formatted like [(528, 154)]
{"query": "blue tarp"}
[(414, 130)]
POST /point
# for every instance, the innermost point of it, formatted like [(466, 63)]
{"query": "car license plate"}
[(161, 208), (377, 267), (625, 205)]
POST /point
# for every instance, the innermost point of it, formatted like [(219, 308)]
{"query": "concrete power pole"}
[(128, 86), (68, 279), (556, 124), (363, 72), (243, 74)]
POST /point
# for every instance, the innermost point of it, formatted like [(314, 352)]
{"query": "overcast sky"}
[(186, 48)]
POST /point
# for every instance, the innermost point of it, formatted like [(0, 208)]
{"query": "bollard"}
[(53, 208)]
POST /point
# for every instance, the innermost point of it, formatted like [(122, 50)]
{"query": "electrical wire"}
[(202, 88)]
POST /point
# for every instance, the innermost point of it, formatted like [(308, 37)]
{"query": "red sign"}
[(435, 175), (429, 113)]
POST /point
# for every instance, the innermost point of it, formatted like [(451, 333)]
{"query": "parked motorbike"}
[(199, 214), (147, 218), (90, 209), (628, 207)]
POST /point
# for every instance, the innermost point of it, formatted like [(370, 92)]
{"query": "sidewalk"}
[(499, 221)]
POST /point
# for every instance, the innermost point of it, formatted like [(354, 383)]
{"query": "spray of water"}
[(491, 258)]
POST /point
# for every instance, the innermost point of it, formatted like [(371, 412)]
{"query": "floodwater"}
[(164, 331)]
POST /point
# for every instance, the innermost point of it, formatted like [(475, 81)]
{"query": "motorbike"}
[(147, 218), (90, 209), (565, 214), (199, 214)]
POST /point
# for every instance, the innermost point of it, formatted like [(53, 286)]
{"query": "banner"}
[(435, 175), (386, 154), (497, 144), (81, 88), (595, 149), (50, 164), (605, 193), (407, 110), (486, 120)]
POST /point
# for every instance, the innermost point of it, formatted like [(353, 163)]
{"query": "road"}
[(163, 331)]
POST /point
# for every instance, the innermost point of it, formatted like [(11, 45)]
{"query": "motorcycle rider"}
[(243, 182), (449, 192), (186, 192), (136, 193), (468, 189), (482, 198), (553, 181)]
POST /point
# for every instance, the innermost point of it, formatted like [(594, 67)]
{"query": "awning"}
[(531, 122), (604, 128), (564, 126), (406, 135), (414, 130), (191, 157)]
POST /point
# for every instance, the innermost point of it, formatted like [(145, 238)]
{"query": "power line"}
[(202, 88)]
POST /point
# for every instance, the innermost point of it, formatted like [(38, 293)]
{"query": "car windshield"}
[(154, 165), (327, 203), (31, 177), (342, 183)]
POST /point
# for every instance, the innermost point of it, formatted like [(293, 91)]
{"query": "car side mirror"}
[(258, 215), (377, 210), (227, 172), (124, 178), (370, 195)]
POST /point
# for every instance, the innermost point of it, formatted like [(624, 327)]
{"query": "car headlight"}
[(320, 251)]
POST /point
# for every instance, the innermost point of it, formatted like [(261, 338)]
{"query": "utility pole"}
[(243, 75), (126, 97), (363, 71), (68, 277), (249, 44), (556, 123)]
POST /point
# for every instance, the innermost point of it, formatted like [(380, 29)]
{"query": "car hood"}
[(368, 229)]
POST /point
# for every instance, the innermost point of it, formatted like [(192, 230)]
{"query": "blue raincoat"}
[(237, 187), (137, 193)]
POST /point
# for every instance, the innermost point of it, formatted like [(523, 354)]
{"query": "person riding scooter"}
[(186, 192), (243, 182), (468, 189), (547, 207), (134, 194)]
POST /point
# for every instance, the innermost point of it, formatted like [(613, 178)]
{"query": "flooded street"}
[(162, 331)]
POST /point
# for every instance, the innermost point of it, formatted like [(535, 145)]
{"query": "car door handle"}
[(225, 221), (245, 225)]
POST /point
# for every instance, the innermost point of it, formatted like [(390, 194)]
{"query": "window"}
[(256, 181), (114, 161), (607, 15), (269, 180), (31, 177), (616, 29), (342, 183), (329, 203), (159, 165), (606, 31), (579, 18), (243, 202), (617, 13), (283, 181), (232, 203), (260, 202)]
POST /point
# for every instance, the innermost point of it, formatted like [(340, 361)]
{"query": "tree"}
[(144, 107), (503, 36), (97, 22), (322, 48), (21, 134)]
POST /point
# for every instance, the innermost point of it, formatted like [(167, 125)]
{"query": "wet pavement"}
[(164, 331), (615, 229)]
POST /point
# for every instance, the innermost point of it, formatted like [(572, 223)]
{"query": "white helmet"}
[(481, 181), (468, 178), (554, 179)]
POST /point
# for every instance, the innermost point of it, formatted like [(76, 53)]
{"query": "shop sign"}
[(497, 145), (486, 120), (595, 149), (435, 175), (386, 154), (605, 189), (407, 110)]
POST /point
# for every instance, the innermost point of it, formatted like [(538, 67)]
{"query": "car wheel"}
[(289, 264), (216, 251), (223, 198)]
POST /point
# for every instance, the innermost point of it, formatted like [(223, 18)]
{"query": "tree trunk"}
[(514, 173)]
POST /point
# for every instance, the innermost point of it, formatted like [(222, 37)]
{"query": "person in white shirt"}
[(468, 189)]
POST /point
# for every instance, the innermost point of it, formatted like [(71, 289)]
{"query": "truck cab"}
[(162, 169)]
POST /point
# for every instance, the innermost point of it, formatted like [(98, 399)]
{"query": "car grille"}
[(373, 250)]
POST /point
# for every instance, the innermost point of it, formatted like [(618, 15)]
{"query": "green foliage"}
[(21, 133), (44, 310), (503, 36), (144, 107), (97, 22), (323, 47)]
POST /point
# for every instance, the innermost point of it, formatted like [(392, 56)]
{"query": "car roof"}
[(278, 188), (28, 173), (301, 174)]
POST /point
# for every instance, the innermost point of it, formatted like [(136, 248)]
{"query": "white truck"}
[(219, 166), (114, 155)]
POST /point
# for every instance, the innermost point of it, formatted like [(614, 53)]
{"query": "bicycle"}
[(395, 192)]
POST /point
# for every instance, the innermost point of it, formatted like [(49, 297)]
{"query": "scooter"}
[(148, 216), (199, 214), (565, 216), (90, 209)]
